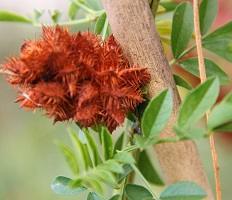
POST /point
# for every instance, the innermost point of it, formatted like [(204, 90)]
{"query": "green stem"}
[(130, 148), (145, 181), (84, 7), (70, 23), (175, 60)]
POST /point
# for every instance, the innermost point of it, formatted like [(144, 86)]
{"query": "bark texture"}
[(133, 26)]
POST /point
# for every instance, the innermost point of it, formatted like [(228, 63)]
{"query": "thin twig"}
[(203, 77)]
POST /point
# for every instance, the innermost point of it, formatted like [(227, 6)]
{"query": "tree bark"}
[(133, 26)]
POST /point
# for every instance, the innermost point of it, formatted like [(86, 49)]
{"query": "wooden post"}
[(133, 26)]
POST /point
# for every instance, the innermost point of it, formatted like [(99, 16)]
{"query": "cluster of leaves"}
[(218, 41), (110, 166)]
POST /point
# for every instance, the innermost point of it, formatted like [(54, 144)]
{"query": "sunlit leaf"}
[(70, 158)]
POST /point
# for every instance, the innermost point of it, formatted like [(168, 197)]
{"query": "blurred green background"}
[(29, 159)]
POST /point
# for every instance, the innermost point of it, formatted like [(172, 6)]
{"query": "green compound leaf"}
[(182, 28), (220, 42), (6, 16), (197, 102), (208, 12), (62, 186), (183, 191), (221, 114), (212, 69), (147, 169), (156, 114), (182, 82)]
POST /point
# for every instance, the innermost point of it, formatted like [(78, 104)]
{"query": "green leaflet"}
[(182, 28), (100, 23), (156, 114), (92, 148), (70, 158), (208, 11), (62, 186), (221, 114), (197, 102), (107, 143), (137, 192), (182, 82), (220, 41), (6, 16), (72, 10), (94, 196), (147, 169), (183, 191), (212, 69)]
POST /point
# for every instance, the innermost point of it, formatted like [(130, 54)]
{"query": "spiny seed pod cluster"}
[(76, 77)]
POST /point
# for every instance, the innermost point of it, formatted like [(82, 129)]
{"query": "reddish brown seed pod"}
[(76, 77)]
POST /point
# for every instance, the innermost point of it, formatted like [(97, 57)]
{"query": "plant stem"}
[(174, 61), (130, 148), (145, 181), (70, 23), (84, 7), (203, 78)]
